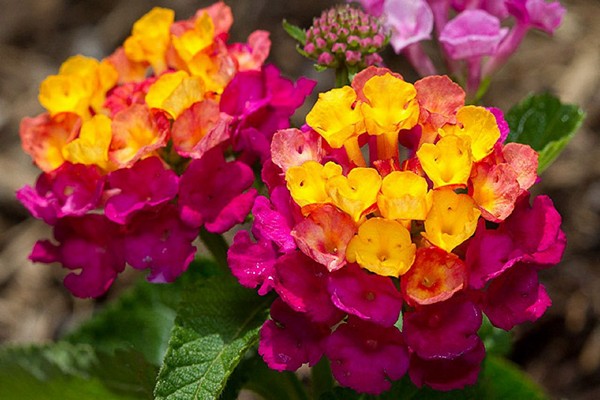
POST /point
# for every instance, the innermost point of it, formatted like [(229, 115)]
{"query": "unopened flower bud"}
[(326, 59), (345, 35)]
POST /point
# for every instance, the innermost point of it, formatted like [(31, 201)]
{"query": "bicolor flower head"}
[(433, 235), (345, 36), (153, 143)]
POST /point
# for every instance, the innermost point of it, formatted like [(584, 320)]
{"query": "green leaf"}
[(497, 341), (321, 378), (64, 371), (142, 318), (320, 68), (217, 322), (126, 372), (270, 384), (545, 124), (501, 379), (295, 32)]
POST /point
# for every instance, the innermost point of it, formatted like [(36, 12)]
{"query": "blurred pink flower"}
[(472, 33)]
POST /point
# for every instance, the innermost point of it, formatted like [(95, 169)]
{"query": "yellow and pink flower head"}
[(125, 140), (397, 216)]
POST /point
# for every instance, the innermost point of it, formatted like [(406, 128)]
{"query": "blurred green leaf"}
[(501, 379), (64, 371), (545, 124), (295, 32), (141, 318), (497, 341), (321, 378), (270, 384), (217, 322), (114, 355)]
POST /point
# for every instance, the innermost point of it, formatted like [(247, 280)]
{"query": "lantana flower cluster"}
[(144, 148), (476, 36), (396, 218)]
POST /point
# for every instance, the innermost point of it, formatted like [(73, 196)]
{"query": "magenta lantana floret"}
[(129, 196), (366, 356), (70, 190), (387, 264), (146, 147)]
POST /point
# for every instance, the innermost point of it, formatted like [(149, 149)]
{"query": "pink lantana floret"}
[(261, 102), (159, 241), (443, 330), (447, 374), (70, 190), (536, 230), (366, 357), (370, 297), (90, 243), (161, 187), (270, 223), (223, 199), (490, 253), (302, 284), (252, 263), (515, 297), (289, 339)]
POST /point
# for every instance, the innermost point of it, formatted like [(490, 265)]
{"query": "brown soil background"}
[(561, 351)]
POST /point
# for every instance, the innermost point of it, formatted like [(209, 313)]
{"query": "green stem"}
[(217, 246), (341, 77), (322, 380)]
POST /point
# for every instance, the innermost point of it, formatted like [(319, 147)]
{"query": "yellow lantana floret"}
[(334, 117), (451, 220), (81, 84), (383, 247), (448, 162), (150, 38), (391, 105), (91, 147), (404, 195), (307, 182), (175, 92), (477, 124), (195, 40), (356, 193), (59, 93)]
